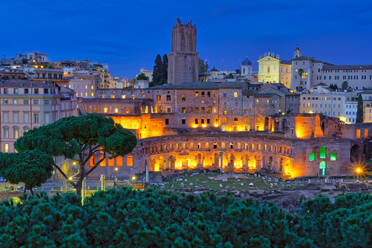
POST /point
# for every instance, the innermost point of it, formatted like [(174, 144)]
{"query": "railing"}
[(92, 186)]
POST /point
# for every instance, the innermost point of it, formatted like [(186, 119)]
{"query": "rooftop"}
[(246, 62), (27, 84), (201, 86), (311, 59), (346, 67), (286, 62)]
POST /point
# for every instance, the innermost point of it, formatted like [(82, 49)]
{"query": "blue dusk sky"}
[(127, 35)]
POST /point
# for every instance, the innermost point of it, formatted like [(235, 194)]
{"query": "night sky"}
[(127, 35)]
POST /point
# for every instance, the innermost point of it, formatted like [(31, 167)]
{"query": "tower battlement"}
[(183, 61)]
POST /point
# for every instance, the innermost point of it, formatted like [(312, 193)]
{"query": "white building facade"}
[(341, 105)]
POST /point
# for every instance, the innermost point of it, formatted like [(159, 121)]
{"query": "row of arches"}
[(257, 146), (231, 161)]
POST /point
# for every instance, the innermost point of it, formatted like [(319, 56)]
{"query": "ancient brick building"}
[(233, 126), (183, 61), (291, 144)]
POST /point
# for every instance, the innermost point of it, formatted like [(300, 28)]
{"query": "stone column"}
[(246, 163), (200, 165), (147, 176), (221, 162)]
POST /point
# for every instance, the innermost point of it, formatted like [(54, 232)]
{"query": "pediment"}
[(267, 59)]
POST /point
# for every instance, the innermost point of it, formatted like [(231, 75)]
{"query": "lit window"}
[(105, 110), (6, 148), (312, 156), (119, 161), (235, 94), (103, 161), (129, 160), (323, 152), (333, 156), (123, 96), (112, 96), (358, 133), (323, 167), (103, 96), (116, 110)]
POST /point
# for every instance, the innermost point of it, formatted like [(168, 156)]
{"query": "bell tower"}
[(183, 61), (297, 53)]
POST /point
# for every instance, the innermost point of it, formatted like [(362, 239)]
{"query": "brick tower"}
[(183, 61)]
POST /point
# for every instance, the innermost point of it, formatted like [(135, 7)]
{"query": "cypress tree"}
[(164, 70), (157, 72), (359, 118)]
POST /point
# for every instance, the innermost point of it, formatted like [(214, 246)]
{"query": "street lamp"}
[(358, 170)]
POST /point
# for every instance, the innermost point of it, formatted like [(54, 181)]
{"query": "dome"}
[(246, 62)]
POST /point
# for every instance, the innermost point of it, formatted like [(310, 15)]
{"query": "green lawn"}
[(213, 181)]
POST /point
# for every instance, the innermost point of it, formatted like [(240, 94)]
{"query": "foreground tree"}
[(156, 218), (32, 168), (78, 138)]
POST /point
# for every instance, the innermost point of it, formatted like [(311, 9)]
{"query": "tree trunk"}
[(32, 192), (78, 187)]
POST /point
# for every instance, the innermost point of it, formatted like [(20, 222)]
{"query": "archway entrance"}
[(323, 168)]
